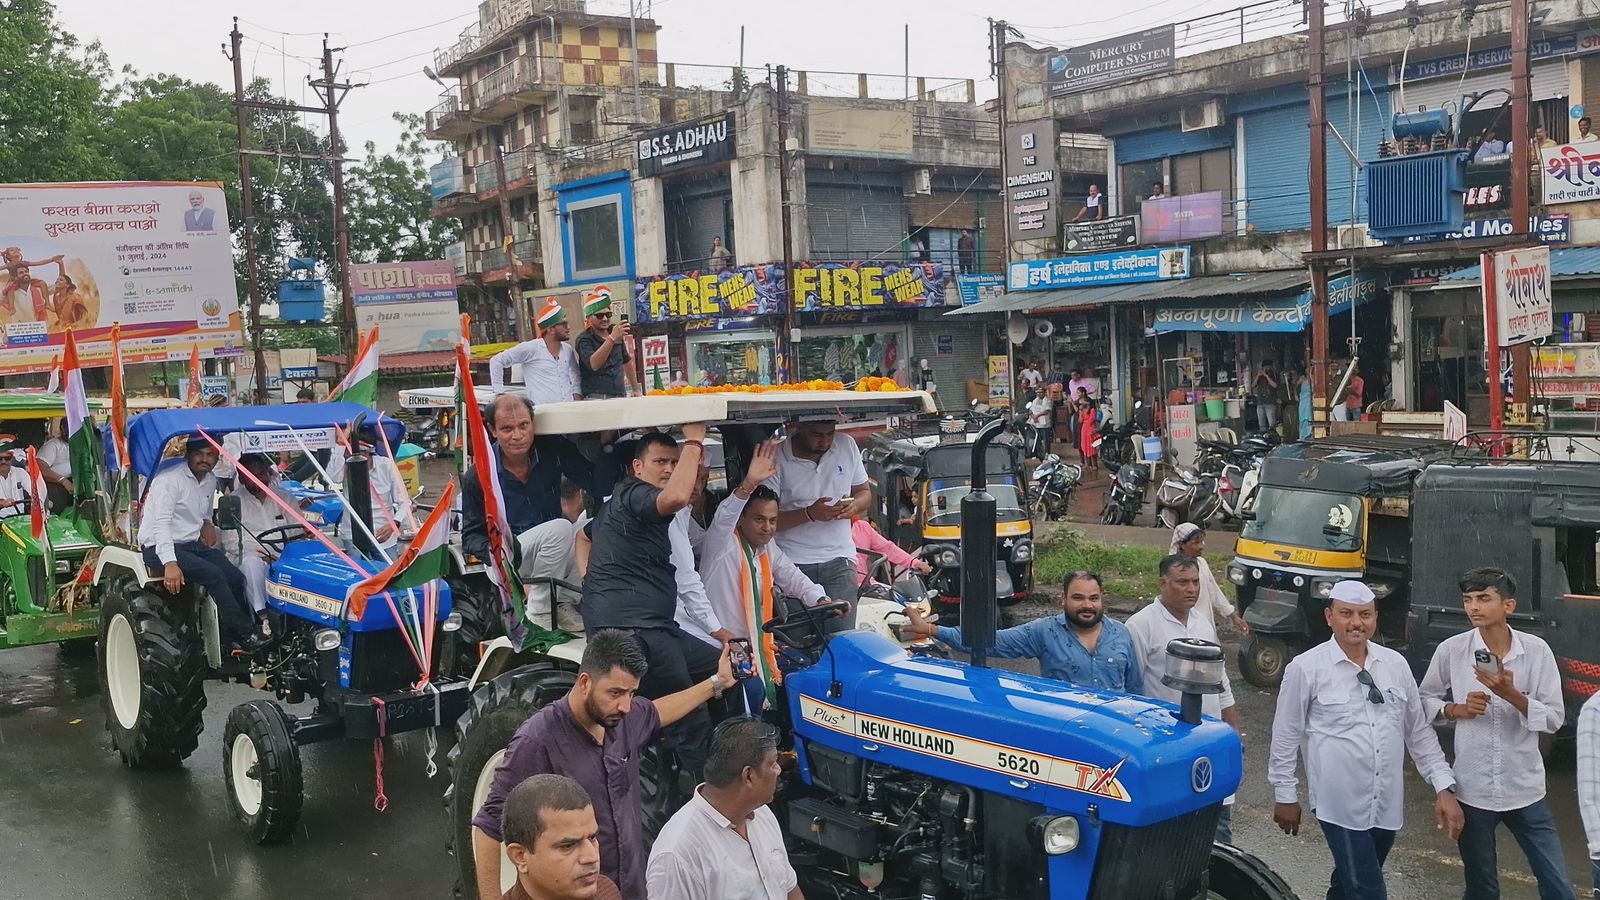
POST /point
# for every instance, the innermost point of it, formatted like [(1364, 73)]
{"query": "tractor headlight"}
[(1381, 589), (326, 639), (1322, 590), (452, 622), (1237, 575), (1055, 834), (1022, 552)]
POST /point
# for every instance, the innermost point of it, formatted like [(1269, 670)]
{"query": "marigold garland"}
[(869, 383)]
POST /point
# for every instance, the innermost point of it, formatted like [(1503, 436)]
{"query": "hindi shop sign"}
[(687, 145), (413, 303), (1104, 63), (1568, 174), (1127, 267), (1033, 193), (1522, 293), (1259, 314), (1100, 235)]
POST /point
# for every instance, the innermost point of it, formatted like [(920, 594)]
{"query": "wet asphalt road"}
[(75, 824)]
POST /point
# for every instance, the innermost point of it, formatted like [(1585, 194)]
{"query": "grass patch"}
[(1128, 570)]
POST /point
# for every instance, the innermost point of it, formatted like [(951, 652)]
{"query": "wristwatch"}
[(717, 687)]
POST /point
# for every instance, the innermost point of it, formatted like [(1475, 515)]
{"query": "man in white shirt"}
[(1502, 689), (1353, 708), (391, 504), (55, 463), (258, 512), (1030, 377), (549, 550), (14, 489), (1589, 781), (179, 540), (821, 483), (1166, 620), (725, 843), (1040, 412), (1584, 135), (549, 364), (744, 570)]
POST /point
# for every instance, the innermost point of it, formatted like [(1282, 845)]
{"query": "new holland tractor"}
[(350, 677), (918, 776)]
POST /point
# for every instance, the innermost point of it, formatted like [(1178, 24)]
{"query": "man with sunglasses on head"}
[(1355, 708), (603, 360)]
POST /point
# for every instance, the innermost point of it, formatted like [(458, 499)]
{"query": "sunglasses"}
[(1373, 694), (602, 315)]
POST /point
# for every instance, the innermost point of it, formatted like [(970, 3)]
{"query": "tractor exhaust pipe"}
[(978, 517), (358, 491)]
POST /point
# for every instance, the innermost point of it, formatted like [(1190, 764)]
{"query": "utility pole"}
[(997, 65), (1521, 147), (333, 93), (787, 364), (248, 212), (1316, 57)]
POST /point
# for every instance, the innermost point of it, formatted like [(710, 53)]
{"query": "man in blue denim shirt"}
[(1081, 646)]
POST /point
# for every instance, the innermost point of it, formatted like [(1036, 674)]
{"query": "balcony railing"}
[(448, 108), (510, 79)]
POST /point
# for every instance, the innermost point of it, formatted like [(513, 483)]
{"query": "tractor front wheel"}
[(261, 763), (152, 668), (1237, 875), (498, 709)]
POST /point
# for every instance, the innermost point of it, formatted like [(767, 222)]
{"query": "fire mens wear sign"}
[(1117, 233), (687, 145), (1031, 190), (1120, 59)]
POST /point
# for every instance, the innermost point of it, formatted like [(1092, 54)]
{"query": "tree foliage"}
[(52, 99), (389, 201)]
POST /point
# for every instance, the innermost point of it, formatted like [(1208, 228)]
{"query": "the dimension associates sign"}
[(1032, 196)]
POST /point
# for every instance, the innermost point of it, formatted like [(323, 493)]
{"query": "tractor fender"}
[(492, 657), (500, 655), (115, 559)]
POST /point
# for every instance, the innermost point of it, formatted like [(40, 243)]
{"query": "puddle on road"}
[(51, 685)]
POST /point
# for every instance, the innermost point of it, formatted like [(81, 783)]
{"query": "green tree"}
[(165, 128), (389, 200), (51, 99)]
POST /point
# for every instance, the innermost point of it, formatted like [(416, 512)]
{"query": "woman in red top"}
[(1088, 433)]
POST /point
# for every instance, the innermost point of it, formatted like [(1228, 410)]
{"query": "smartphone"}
[(1486, 662), (624, 318), (739, 654)]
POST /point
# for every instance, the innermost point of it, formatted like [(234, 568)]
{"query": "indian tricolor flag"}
[(38, 491), (195, 397), (119, 402), (360, 384), (81, 438), (426, 559)]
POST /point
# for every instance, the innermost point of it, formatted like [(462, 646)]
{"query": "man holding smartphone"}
[(821, 484), (604, 368), (1502, 690)]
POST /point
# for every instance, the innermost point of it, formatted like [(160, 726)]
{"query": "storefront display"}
[(848, 355), (736, 358)]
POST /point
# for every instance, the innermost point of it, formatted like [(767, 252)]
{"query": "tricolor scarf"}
[(757, 571)]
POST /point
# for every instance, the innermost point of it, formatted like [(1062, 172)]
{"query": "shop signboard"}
[(978, 288), (999, 380), (1551, 229), (1182, 433), (839, 129), (1100, 235), (1104, 63), (211, 386), (868, 285), (301, 373), (155, 256), (1521, 284), (1567, 361), (687, 145), (457, 255), (1033, 191), (657, 365), (1127, 267), (413, 303), (1496, 57), (1287, 313), (945, 345), (1570, 173), (731, 293), (1184, 217), (447, 177)]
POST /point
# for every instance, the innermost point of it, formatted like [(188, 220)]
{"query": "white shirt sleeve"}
[(1589, 772), (1288, 733), (858, 474), (670, 876), (691, 591), (399, 501), (505, 359), (155, 521), (1435, 688), (1547, 710), (1422, 743), (570, 364)]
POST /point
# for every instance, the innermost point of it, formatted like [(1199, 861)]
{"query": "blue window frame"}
[(596, 227)]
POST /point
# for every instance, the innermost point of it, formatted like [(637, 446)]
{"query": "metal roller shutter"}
[(697, 211), (1549, 81), (855, 221)]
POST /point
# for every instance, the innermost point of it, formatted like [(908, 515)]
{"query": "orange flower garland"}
[(816, 384)]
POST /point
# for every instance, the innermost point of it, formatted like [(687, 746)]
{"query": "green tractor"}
[(38, 600)]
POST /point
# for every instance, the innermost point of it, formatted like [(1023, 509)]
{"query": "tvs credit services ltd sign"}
[(1032, 193), (687, 145), (1119, 59)]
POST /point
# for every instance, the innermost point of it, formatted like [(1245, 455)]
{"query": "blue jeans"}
[(1357, 862), (1224, 833), (1535, 830)]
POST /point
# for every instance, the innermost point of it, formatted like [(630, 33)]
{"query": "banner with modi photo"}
[(156, 257)]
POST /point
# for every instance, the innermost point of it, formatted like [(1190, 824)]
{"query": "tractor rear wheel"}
[(498, 709), (152, 667), (1237, 875), (261, 763)]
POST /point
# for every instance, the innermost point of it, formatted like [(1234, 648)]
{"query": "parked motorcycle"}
[(1237, 485), (1125, 496), (1187, 496), (1054, 481)]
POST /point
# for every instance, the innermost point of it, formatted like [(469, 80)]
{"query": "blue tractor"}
[(354, 677), (923, 777)]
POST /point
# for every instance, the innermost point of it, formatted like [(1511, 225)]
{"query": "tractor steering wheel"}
[(804, 629), (273, 540)]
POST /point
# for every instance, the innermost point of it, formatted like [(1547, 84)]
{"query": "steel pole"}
[(247, 210), (1316, 57), (1521, 144)]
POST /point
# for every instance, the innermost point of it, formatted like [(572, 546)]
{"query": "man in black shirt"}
[(630, 586), (530, 475), (603, 361)]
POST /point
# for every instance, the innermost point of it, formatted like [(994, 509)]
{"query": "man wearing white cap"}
[(549, 364), (1355, 709)]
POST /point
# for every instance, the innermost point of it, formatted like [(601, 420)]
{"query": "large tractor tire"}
[(474, 599), (261, 763), (1263, 658), (498, 709), (152, 667), (661, 791), (1237, 875)]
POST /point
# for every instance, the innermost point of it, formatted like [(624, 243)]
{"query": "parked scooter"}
[(1187, 496), (1237, 485), (1125, 496), (1054, 481), (1119, 444)]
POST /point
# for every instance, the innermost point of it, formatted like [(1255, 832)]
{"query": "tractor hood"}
[(1036, 739), (309, 582), (64, 533)]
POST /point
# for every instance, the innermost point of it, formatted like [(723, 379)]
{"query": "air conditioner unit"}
[(919, 182), (1351, 237), (1200, 116)]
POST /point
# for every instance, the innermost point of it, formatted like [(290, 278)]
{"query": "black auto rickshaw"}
[(1327, 510), (919, 473), (1538, 519)]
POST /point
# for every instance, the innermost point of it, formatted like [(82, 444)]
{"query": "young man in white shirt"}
[(549, 364), (55, 463), (821, 484), (725, 842), (1169, 619), (1589, 781), (1502, 689), (258, 512), (1353, 709), (179, 540), (14, 489)]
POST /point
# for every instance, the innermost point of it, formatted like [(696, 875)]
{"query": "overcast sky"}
[(947, 39)]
